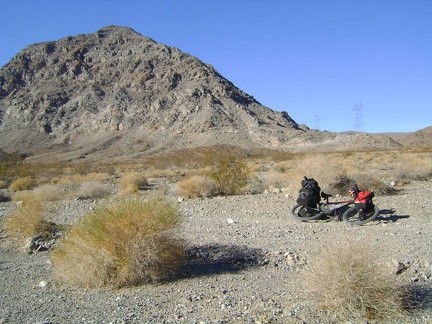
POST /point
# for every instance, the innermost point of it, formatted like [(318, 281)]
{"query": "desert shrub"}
[(341, 184), (411, 166), (74, 180), (282, 166), (256, 184), (93, 190), (24, 183), (26, 220), (371, 182), (197, 186), (276, 179), (230, 175), (128, 243), (97, 176), (132, 182), (350, 280), (43, 193)]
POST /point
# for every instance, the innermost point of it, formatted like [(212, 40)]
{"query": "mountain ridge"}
[(122, 93)]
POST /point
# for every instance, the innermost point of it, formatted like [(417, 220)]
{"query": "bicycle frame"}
[(338, 204)]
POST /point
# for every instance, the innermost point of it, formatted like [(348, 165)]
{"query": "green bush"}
[(129, 243), (231, 176)]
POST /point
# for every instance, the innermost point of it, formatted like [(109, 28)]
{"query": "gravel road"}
[(246, 260)]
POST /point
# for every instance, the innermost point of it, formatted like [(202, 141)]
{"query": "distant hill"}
[(117, 93), (419, 138)]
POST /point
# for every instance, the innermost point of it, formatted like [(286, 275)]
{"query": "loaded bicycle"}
[(357, 210)]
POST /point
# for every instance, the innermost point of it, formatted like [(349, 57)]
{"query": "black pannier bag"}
[(309, 194)]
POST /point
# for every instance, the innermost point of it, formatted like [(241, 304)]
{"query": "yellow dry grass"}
[(350, 281), (128, 243), (26, 220), (131, 182), (196, 186)]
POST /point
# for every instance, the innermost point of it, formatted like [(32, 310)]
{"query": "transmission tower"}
[(358, 119), (317, 122)]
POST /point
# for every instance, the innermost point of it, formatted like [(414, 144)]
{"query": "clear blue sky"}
[(315, 59)]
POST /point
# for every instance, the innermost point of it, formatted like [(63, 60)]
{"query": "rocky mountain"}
[(117, 93)]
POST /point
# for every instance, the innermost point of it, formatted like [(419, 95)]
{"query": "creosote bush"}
[(349, 280), (231, 176), (125, 244)]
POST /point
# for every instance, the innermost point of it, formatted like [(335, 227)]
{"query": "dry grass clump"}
[(93, 190), (342, 183), (26, 220), (350, 281), (129, 243), (197, 186), (411, 166), (42, 193), (369, 182), (23, 183), (132, 182), (74, 180), (276, 179)]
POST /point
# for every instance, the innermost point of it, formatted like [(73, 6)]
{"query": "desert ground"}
[(246, 258)]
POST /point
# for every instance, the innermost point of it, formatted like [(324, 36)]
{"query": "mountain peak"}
[(117, 84)]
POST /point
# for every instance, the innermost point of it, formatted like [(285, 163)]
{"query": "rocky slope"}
[(420, 138), (116, 93), (122, 88), (246, 262)]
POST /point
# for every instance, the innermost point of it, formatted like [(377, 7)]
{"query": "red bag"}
[(363, 200)]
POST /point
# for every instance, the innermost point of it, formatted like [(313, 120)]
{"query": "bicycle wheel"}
[(356, 216), (305, 213)]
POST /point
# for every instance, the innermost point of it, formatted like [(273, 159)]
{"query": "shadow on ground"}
[(388, 215), (212, 259), (418, 297)]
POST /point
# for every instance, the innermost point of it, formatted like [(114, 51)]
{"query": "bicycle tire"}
[(309, 213), (352, 216)]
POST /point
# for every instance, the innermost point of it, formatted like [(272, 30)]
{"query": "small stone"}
[(43, 284)]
